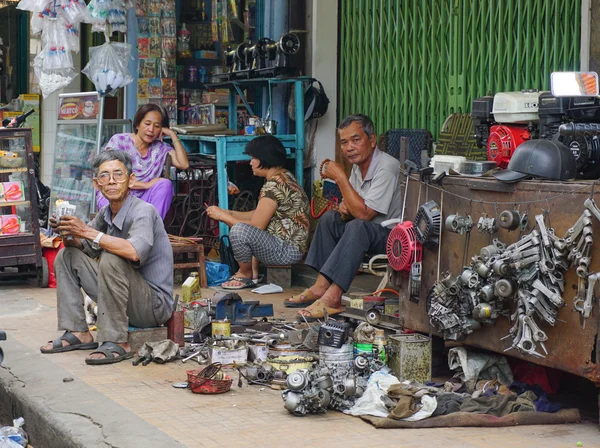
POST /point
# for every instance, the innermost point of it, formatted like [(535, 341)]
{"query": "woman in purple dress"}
[(148, 153)]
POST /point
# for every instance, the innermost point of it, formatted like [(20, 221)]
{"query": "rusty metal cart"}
[(571, 348)]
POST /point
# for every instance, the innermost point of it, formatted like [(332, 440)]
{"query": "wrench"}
[(590, 204), (542, 225), (574, 231), (551, 293), (524, 240), (542, 308), (526, 261)]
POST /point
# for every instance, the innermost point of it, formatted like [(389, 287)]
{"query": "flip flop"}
[(109, 349), (74, 344), (258, 280), (246, 283), (302, 300), (316, 311)]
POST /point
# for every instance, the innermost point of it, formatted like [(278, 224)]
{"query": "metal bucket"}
[(337, 356)]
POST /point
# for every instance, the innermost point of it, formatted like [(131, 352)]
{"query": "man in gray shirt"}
[(122, 259), (343, 237)]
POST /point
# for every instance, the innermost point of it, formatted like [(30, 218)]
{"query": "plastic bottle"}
[(190, 288), (380, 343)]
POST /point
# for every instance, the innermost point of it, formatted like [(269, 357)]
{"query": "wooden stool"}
[(191, 246), (280, 275)]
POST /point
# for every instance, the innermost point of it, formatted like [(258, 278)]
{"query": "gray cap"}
[(541, 159)]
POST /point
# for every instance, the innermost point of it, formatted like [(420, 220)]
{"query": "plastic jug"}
[(191, 288)]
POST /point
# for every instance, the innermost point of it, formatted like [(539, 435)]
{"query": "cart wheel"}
[(42, 274)]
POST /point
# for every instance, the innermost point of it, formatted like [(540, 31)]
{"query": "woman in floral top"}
[(276, 233)]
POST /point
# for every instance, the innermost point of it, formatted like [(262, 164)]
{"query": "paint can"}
[(221, 328)]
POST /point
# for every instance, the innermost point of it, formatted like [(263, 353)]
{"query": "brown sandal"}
[(316, 311), (302, 300)]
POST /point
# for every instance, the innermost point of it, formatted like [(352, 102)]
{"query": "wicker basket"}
[(202, 381)]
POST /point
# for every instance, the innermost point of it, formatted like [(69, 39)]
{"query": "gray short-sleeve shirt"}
[(379, 188), (140, 224)]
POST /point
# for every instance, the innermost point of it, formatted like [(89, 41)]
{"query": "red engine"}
[(503, 141), (403, 248)]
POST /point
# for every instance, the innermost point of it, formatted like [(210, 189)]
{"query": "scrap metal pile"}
[(529, 272)]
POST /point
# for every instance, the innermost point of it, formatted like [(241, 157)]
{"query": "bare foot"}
[(85, 338), (124, 345)]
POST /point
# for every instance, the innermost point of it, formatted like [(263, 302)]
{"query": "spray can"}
[(380, 343)]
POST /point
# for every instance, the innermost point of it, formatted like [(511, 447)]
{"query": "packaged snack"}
[(155, 88), (10, 224), (12, 191), (143, 48)]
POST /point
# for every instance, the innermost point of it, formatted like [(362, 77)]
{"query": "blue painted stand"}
[(231, 148)]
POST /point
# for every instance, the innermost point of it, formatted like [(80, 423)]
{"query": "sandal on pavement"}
[(74, 344), (113, 352), (316, 311), (245, 283), (302, 300)]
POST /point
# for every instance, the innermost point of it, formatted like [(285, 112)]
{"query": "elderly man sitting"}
[(122, 259), (343, 237)]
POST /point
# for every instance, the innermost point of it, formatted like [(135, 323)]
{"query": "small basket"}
[(202, 381)]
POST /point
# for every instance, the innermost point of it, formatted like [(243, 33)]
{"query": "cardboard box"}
[(257, 353), (226, 356)]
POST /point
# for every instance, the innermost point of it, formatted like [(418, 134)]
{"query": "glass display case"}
[(20, 249), (75, 147)]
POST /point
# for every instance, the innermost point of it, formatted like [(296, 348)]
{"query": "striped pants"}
[(248, 241)]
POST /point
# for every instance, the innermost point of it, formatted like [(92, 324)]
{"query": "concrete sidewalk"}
[(67, 403)]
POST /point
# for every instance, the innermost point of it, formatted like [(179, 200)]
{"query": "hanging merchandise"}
[(59, 22), (109, 15), (107, 67)]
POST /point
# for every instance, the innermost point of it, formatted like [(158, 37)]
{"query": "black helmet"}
[(543, 159), (315, 100)]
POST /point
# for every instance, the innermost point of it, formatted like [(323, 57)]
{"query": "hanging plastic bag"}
[(51, 80), (107, 67), (216, 273)]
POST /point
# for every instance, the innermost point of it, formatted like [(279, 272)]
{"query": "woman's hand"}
[(166, 132), (216, 213)]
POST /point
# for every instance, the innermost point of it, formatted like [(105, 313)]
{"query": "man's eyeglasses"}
[(118, 176)]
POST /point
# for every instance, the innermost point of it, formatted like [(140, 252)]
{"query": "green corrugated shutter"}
[(411, 63)]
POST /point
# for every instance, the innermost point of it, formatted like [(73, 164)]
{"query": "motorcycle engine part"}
[(505, 288), (361, 362), (469, 278), (503, 141), (510, 219), (333, 333), (414, 282), (373, 316), (403, 248), (501, 268), (297, 381), (458, 224), (483, 311), (487, 225), (482, 116), (486, 294), (427, 224)]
